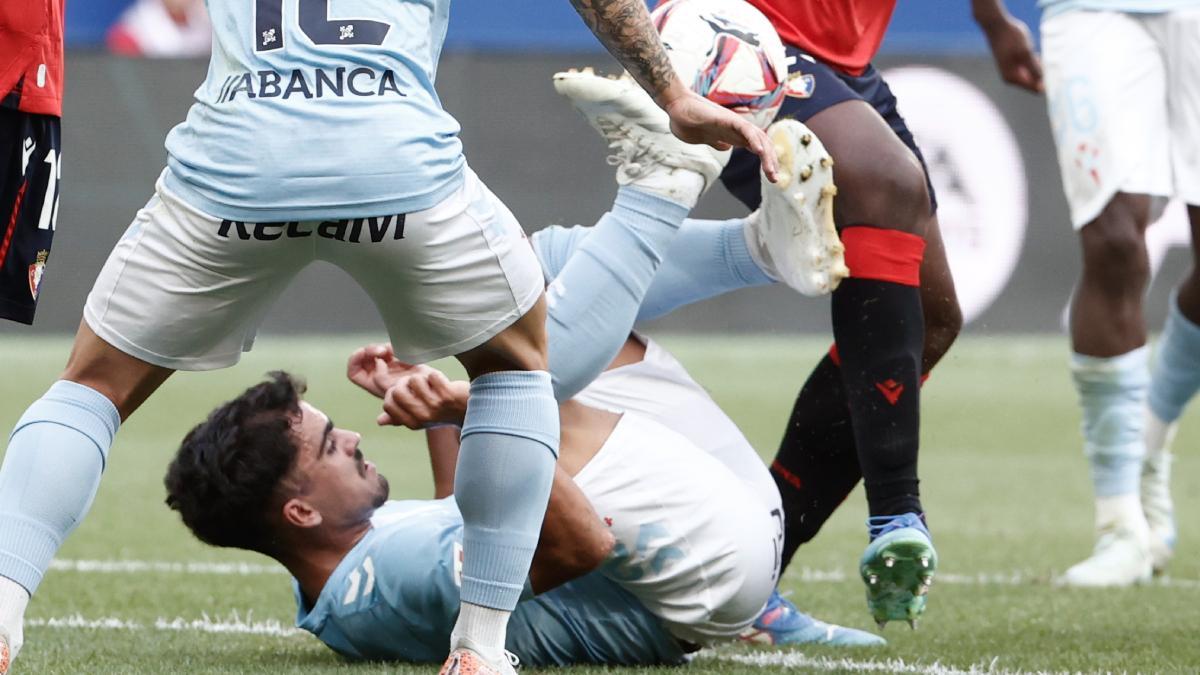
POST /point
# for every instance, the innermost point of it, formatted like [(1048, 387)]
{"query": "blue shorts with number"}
[(826, 87)]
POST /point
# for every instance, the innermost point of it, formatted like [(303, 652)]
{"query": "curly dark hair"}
[(229, 470)]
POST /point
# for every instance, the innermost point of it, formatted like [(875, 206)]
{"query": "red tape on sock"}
[(883, 255)]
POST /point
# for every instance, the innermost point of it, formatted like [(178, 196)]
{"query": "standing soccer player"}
[(858, 415), (31, 84), (319, 137), (1123, 88)]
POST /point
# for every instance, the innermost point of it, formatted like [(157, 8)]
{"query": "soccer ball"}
[(727, 52)]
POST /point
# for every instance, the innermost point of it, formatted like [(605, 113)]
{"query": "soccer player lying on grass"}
[(694, 562), (606, 288)]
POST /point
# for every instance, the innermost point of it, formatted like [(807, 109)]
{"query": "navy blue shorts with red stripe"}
[(826, 87), (30, 148)]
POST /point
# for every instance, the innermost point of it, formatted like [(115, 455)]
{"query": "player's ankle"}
[(13, 601), (482, 630)]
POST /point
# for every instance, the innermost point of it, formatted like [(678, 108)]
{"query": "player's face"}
[(336, 480)]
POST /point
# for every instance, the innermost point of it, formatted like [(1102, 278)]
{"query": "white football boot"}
[(647, 155), (466, 661), (792, 235), (1156, 490), (1122, 553)]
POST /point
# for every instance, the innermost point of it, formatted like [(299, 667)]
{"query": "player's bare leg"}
[(1109, 366), (506, 461), (1175, 378), (53, 465)]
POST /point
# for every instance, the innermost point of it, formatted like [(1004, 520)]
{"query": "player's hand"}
[(375, 368), (423, 396), (1012, 48), (695, 119)]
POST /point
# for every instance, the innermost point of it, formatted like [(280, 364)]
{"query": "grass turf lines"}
[(1004, 482)]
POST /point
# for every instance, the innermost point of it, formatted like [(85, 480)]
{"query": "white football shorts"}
[(660, 388), (694, 544), (185, 290), (1124, 96)]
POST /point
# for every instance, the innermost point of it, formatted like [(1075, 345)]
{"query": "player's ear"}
[(299, 513)]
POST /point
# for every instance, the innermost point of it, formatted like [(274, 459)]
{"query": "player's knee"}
[(521, 346), (1114, 250), (890, 192)]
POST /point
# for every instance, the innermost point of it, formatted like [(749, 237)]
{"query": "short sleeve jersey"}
[(318, 110), (845, 34), (395, 596), (31, 56)]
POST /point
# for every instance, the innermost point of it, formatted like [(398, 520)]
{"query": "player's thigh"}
[(1106, 91), (881, 182), (450, 279), (29, 171), (1182, 48), (186, 290)]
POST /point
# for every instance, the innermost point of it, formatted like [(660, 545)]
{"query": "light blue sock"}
[(502, 483), (51, 471), (1112, 392), (594, 300), (1175, 375), (706, 259)]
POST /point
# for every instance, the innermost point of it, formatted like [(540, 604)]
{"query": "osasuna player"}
[(1122, 80), (857, 416), (31, 86), (318, 135)]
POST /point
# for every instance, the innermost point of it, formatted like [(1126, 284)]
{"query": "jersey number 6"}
[(315, 23)]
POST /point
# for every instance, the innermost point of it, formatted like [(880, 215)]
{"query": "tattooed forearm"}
[(625, 29)]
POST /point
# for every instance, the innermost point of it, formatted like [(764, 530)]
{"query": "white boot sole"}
[(796, 223)]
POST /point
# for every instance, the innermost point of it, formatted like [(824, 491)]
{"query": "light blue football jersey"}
[(315, 109), (395, 596), (1052, 7)]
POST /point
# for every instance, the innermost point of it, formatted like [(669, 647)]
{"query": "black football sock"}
[(879, 330), (817, 464)]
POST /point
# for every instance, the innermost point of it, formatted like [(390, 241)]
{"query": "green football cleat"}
[(898, 567)]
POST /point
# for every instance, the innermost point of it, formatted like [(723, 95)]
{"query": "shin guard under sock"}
[(879, 330)]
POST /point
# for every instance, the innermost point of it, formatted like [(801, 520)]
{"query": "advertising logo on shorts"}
[(978, 175)]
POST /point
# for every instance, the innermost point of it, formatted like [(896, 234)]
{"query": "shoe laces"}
[(513, 659), (632, 152), (781, 615), (877, 526)]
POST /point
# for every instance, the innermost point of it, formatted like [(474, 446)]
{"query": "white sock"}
[(758, 251), (1121, 512), (1159, 435), (13, 601), (482, 630)]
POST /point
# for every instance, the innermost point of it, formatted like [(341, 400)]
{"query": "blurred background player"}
[(243, 207), (161, 29), (1122, 79), (31, 87), (858, 415)]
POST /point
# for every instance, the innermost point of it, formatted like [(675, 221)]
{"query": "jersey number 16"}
[(315, 22)]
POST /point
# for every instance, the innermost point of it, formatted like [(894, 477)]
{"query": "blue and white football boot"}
[(898, 567), (782, 624)]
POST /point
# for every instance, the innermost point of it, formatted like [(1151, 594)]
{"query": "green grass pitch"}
[(1004, 483)]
